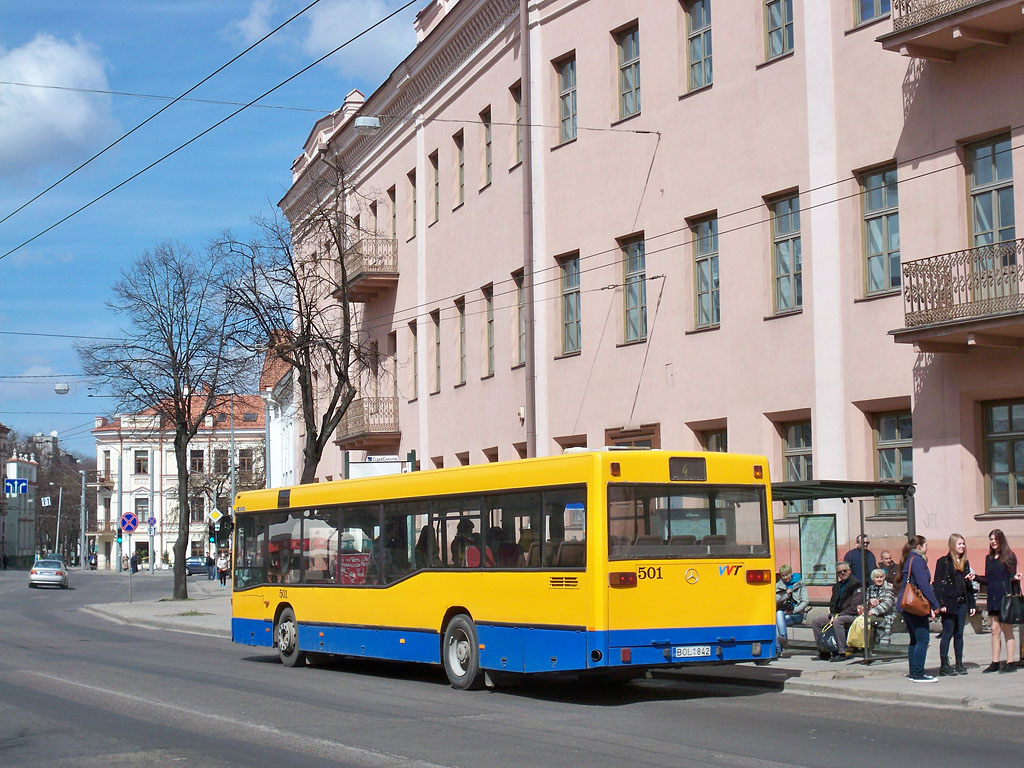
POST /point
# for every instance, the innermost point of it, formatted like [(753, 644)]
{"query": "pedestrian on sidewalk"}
[(210, 566), (1000, 572), (222, 568), (914, 569), (953, 586), (859, 557)]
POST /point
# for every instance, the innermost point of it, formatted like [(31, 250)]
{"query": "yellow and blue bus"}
[(606, 562)]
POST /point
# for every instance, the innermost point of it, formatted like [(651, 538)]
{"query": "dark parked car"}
[(195, 564)]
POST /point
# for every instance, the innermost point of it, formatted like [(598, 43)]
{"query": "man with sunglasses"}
[(843, 608)]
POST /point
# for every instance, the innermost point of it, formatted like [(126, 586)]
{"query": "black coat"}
[(951, 588)]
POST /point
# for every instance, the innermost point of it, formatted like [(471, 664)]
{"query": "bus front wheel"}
[(287, 634), (461, 654)]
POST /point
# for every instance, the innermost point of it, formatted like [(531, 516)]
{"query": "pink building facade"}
[(740, 215)]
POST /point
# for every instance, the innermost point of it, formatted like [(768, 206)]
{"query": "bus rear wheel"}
[(287, 634), (460, 654)]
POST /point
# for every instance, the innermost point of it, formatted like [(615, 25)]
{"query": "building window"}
[(629, 71), (437, 187), (796, 454), (415, 361), (716, 440), (195, 461), (485, 119), (881, 230), (435, 320), (567, 99), (374, 225), (220, 462), (778, 24), (634, 289), (894, 448), (141, 462), (394, 212), (786, 257), (250, 417), (245, 464), (516, 91), (197, 509), (460, 162), (141, 509), (646, 436), (570, 278), (520, 318), (991, 169), (698, 37), (489, 304), (460, 310), (869, 10), (705, 255), (412, 203), (1004, 456)]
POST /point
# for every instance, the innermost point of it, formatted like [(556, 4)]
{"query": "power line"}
[(219, 123), (157, 97), (58, 335), (162, 109)]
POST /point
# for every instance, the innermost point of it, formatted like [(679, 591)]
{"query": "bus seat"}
[(551, 551), (682, 539), (533, 560), (571, 554), (714, 538), (510, 555), (649, 540), (473, 559)]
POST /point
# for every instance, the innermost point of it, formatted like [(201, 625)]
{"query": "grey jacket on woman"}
[(886, 597), (801, 602)]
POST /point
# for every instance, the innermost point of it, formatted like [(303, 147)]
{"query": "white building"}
[(137, 472)]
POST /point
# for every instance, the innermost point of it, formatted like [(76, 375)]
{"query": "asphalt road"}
[(76, 690)]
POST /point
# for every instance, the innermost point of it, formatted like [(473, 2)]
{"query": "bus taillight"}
[(759, 577), (622, 579)]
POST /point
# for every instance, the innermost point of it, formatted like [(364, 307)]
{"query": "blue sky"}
[(59, 283)]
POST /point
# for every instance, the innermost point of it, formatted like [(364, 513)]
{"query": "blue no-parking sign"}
[(129, 522)]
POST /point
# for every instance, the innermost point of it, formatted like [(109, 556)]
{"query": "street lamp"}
[(56, 538), (231, 503)]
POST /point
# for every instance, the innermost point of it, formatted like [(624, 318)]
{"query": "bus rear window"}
[(670, 521)]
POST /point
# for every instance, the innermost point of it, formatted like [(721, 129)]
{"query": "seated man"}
[(880, 603), (791, 602), (843, 608)]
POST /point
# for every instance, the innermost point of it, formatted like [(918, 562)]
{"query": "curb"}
[(155, 623)]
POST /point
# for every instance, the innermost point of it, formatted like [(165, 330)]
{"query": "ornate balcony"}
[(105, 481), (966, 298), (939, 29), (369, 423), (371, 265)]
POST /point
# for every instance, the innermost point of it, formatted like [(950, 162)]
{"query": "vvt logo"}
[(729, 570)]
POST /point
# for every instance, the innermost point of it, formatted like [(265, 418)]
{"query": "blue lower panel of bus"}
[(533, 649)]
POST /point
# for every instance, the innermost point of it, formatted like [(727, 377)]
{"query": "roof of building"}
[(248, 409), (274, 368)]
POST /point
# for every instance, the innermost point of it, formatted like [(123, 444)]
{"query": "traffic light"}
[(213, 533), (120, 534)]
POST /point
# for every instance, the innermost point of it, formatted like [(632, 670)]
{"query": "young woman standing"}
[(1000, 571), (953, 587), (914, 569)]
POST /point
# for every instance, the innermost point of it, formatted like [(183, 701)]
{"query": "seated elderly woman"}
[(791, 603), (880, 601)]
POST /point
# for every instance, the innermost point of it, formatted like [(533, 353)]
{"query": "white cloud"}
[(45, 126), (257, 23), (370, 59)]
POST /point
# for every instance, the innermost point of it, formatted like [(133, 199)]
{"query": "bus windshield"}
[(654, 521)]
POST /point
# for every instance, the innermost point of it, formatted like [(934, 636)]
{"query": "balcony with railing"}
[(973, 297), (939, 29), (370, 423), (371, 266)]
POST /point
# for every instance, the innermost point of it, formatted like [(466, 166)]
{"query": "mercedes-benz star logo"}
[(692, 577)]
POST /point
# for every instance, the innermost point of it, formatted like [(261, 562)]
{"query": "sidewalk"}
[(208, 612)]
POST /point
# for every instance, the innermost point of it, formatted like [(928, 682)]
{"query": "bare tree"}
[(174, 357), (295, 300)]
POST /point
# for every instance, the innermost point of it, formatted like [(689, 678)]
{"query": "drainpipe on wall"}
[(531, 362)]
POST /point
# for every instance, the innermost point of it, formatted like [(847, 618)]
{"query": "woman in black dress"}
[(1000, 571)]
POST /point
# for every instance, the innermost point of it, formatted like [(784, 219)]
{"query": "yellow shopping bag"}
[(855, 637)]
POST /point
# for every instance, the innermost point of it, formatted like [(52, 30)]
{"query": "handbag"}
[(1011, 610), (913, 601), (827, 641)]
